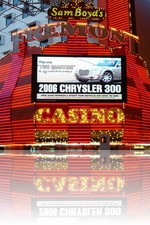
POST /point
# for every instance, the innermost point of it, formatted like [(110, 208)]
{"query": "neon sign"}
[(77, 10), (79, 115)]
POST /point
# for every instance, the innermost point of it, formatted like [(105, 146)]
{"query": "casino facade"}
[(27, 122)]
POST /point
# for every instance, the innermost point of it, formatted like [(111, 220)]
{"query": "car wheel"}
[(107, 77)]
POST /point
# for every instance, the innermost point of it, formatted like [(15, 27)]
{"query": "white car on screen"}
[(105, 71)]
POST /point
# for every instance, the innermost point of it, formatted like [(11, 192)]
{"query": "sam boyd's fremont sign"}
[(75, 10)]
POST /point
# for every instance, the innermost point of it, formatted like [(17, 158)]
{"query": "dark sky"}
[(142, 8)]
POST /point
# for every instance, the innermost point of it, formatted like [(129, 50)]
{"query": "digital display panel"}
[(78, 78)]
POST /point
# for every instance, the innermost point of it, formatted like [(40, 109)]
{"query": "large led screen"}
[(78, 78)]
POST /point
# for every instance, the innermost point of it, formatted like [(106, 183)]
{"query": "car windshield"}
[(107, 63)]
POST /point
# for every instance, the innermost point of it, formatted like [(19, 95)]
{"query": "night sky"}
[(142, 8)]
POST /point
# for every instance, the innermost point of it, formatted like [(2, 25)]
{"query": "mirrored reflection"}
[(75, 187)]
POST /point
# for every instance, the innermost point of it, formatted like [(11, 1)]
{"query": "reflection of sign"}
[(112, 208), (76, 10), (80, 184), (79, 115), (58, 78)]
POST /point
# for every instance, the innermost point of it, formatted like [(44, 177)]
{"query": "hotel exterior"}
[(94, 31)]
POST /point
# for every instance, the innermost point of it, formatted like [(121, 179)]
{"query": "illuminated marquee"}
[(95, 31), (76, 10), (79, 115)]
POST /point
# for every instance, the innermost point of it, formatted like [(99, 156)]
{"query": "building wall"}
[(17, 118), (142, 9)]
